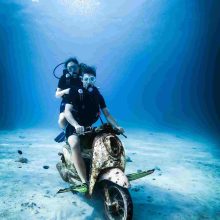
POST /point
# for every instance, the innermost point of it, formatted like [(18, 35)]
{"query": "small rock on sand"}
[(136, 189), (128, 159), (157, 168), (29, 205), (22, 160), (19, 151)]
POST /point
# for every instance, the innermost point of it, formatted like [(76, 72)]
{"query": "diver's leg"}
[(76, 157), (62, 120)]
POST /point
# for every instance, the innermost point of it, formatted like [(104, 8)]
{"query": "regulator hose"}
[(54, 70)]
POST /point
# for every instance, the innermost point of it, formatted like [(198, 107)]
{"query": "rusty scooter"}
[(104, 156)]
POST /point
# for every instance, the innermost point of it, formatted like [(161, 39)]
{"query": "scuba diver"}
[(70, 78), (82, 109)]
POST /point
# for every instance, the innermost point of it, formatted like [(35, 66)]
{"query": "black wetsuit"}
[(66, 81), (86, 106)]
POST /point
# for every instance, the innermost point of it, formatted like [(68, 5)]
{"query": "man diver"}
[(70, 78), (82, 109)]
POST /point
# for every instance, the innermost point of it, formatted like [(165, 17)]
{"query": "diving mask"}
[(88, 80), (72, 68)]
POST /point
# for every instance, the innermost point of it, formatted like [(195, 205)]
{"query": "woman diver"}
[(70, 78)]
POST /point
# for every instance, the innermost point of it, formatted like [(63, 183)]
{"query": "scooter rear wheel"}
[(117, 202)]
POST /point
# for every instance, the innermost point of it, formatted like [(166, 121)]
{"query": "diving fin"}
[(135, 176), (60, 138), (84, 187), (79, 188)]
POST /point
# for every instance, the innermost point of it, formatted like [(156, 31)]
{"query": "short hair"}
[(71, 59), (87, 69), (82, 66)]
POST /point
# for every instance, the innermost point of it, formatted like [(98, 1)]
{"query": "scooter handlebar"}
[(90, 129)]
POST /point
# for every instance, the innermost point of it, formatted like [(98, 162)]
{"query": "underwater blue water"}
[(156, 60)]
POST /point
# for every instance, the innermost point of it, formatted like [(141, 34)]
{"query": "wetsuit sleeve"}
[(61, 83), (101, 101), (71, 97)]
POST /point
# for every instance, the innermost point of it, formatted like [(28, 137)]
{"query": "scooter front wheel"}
[(117, 202)]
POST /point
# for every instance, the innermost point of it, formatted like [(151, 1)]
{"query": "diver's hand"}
[(66, 91), (63, 92), (79, 129), (120, 129)]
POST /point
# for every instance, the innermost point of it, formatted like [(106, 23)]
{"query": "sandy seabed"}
[(185, 185)]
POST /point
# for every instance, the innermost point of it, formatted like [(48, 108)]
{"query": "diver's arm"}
[(68, 115), (111, 120), (60, 93)]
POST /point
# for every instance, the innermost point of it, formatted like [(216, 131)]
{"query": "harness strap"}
[(101, 118)]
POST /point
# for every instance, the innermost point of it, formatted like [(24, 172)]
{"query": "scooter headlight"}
[(113, 145)]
